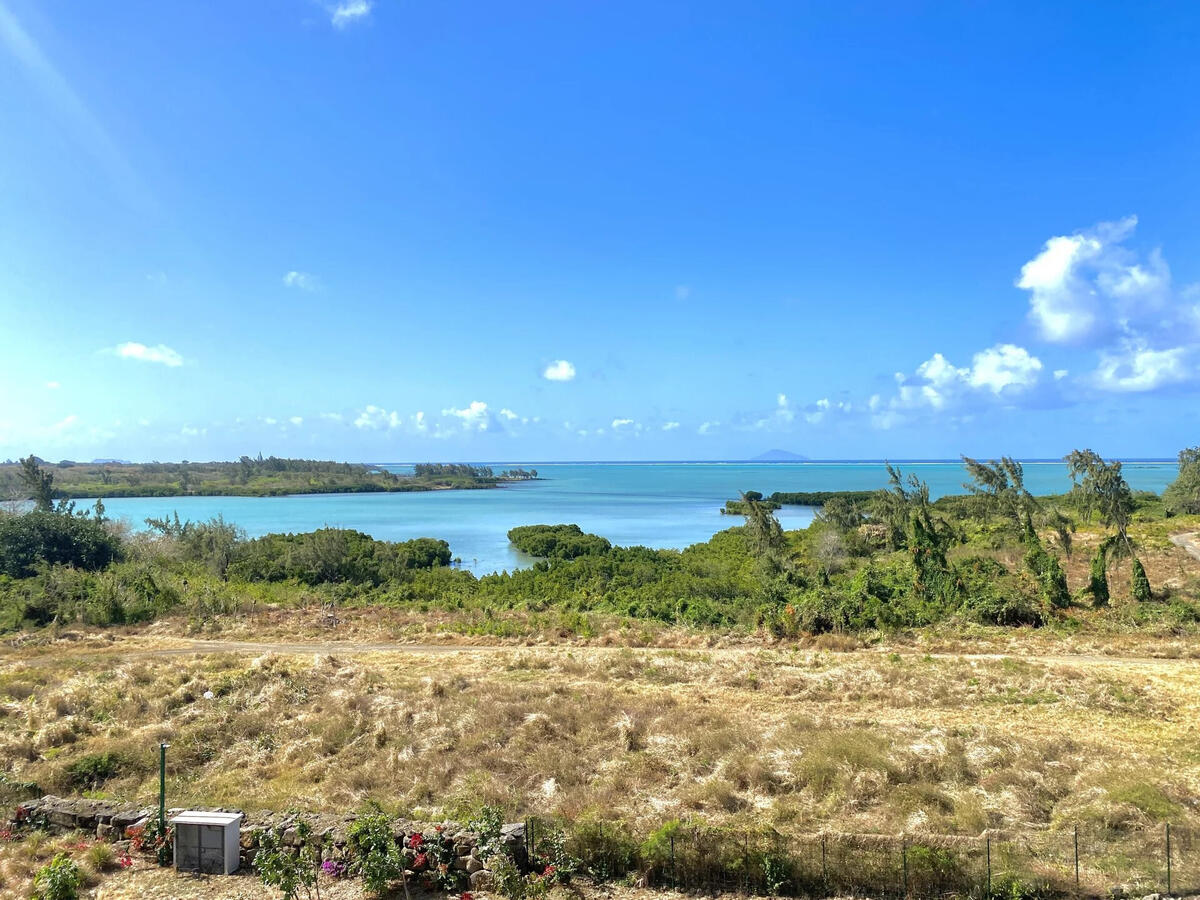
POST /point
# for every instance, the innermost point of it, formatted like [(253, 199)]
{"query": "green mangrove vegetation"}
[(247, 477), (995, 555)]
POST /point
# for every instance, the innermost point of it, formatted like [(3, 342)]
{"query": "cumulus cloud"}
[(618, 424), (1087, 287), (375, 418), (708, 427), (1001, 374), (1134, 367), (301, 281), (670, 426), (474, 417), (349, 12), (559, 370), (159, 353)]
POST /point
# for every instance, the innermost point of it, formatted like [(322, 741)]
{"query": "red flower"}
[(124, 861), (419, 862), (416, 841), (439, 828), (467, 895), (550, 870)]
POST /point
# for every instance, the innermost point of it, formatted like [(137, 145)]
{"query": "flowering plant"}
[(334, 868)]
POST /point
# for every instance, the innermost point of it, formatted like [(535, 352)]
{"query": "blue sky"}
[(384, 230)]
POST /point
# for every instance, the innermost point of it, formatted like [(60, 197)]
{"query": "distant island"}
[(779, 456), (247, 477)]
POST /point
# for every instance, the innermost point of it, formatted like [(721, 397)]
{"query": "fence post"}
[(1076, 832), (904, 862), (989, 865), (824, 867), (1168, 857), (746, 862), (674, 879)]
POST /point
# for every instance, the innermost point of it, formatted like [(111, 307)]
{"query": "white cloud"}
[(297, 420), (1087, 287), (509, 414), (349, 12), (1003, 366), (670, 426), (64, 424), (1135, 367), (53, 385), (302, 281), (375, 418), (707, 427), (999, 374), (475, 416), (189, 431), (159, 353), (618, 424), (559, 370)]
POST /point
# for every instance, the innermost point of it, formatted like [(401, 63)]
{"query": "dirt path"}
[(1189, 542), (186, 647)]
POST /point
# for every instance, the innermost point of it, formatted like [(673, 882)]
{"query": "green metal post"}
[(824, 866), (989, 865), (1076, 858), (162, 789)]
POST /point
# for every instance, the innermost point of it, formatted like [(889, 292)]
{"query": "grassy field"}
[(879, 739)]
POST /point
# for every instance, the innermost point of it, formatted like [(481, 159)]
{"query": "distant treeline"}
[(795, 498), (246, 477)]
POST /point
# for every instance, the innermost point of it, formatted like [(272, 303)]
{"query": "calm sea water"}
[(669, 505)]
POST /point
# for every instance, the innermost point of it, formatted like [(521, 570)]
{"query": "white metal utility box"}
[(207, 842)]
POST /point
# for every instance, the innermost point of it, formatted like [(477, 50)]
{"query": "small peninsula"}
[(250, 477)]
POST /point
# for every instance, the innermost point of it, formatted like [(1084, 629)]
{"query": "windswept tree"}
[(1099, 488), (38, 482), (764, 530), (1183, 494), (905, 509), (1000, 486)]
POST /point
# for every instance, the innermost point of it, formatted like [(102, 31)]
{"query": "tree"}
[(39, 482), (1098, 576), (1183, 494), (841, 512), (54, 538), (1141, 584), (1099, 487)]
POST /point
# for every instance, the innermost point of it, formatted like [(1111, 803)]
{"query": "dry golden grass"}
[(868, 740)]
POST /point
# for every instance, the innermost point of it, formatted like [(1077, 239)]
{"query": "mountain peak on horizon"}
[(779, 456)]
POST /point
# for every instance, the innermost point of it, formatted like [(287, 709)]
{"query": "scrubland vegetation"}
[(985, 661)]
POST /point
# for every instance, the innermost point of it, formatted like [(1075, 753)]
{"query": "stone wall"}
[(118, 823)]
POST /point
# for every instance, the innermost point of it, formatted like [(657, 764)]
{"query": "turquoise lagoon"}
[(666, 505)]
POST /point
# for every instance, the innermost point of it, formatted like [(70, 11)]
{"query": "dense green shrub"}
[(557, 541), (50, 538), (59, 879), (332, 555), (93, 769), (375, 854), (1141, 584)]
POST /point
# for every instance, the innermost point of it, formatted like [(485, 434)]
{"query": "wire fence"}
[(1070, 862)]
